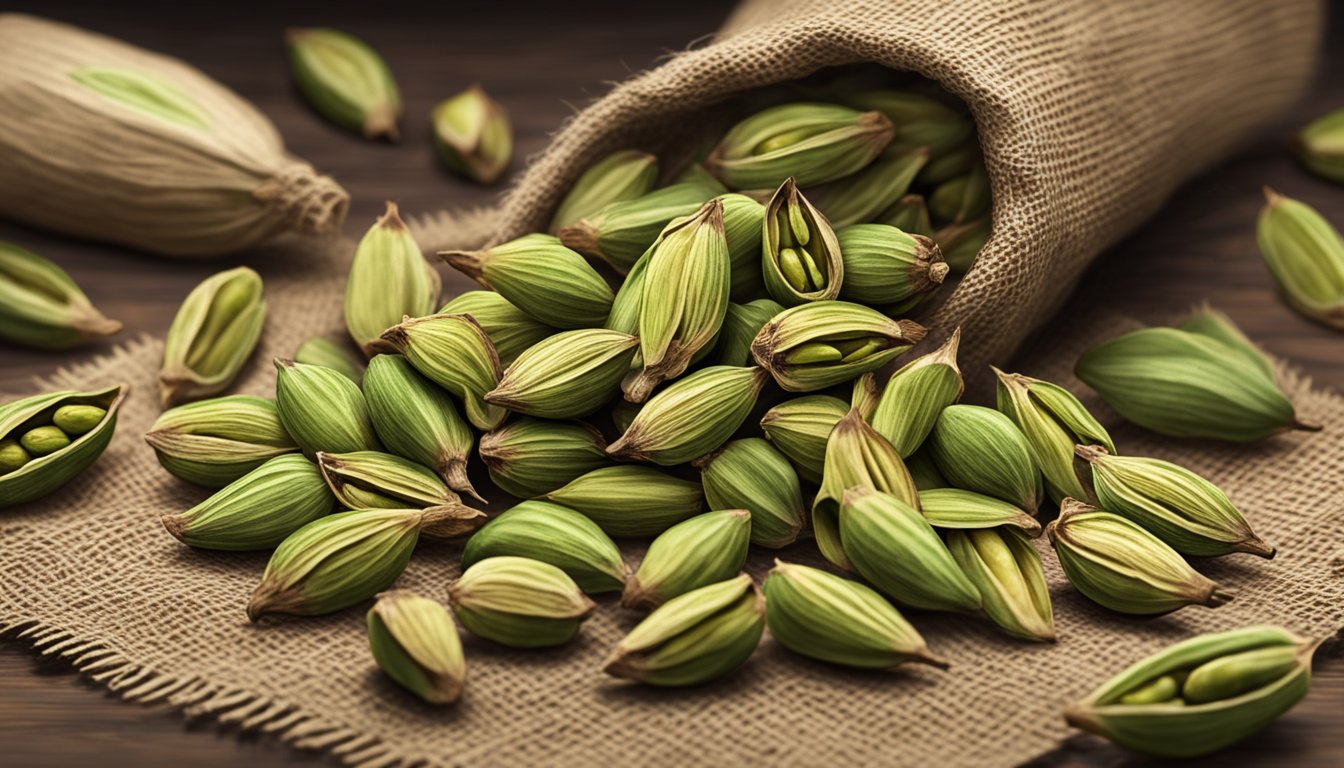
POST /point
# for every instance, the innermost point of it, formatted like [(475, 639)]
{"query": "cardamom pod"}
[(800, 254), (1121, 566), (962, 199), (697, 173), (949, 164), (910, 214), (691, 417), (693, 638), (519, 602), (369, 479), (418, 420), (542, 278), (414, 641), (917, 120), (622, 414), (752, 474), (1257, 674), (1053, 421), (915, 396), (214, 442), (925, 473), (41, 307), (346, 81), (701, 550), (954, 509), (799, 428), (961, 243), (322, 410), (389, 279), (741, 323), (629, 500), (1007, 572), (822, 616), (982, 450), (258, 510), (510, 329), (1186, 384), (1306, 256), (1207, 321), (530, 457), (552, 534), (213, 334), (622, 175), (864, 196), (1320, 146), (570, 374), (743, 223), (886, 267), (889, 543), (824, 343), (453, 352), (27, 474), (625, 308), (473, 135), (319, 350), (1178, 506), (813, 142), (622, 231)]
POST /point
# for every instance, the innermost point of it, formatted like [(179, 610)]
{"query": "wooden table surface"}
[(542, 63)]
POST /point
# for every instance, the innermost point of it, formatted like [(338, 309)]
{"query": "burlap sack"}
[(1090, 111)]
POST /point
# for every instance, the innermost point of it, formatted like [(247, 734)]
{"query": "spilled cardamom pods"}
[(389, 279), (213, 334), (552, 534), (258, 510), (41, 307), (696, 552), (519, 602)]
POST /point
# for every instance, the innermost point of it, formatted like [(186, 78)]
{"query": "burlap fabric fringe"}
[(89, 575)]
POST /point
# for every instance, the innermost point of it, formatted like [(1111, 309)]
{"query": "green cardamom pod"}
[(623, 175), (824, 343), (953, 509), (915, 396), (864, 196), (962, 199), (530, 457), (823, 616), (319, 350), (214, 333), (1306, 256), (570, 374), (41, 307), (1320, 146), (812, 142), (691, 417), (1207, 321), (418, 420), (622, 414), (697, 173), (26, 473), (346, 81), (1178, 506), (886, 267), (741, 323), (389, 279), (752, 474), (542, 278), (863, 395), (473, 135), (918, 120), (799, 428), (1007, 572), (1185, 384), (213, 442), (800, 254), (961, 243), (552, 534), (258, 510), (925, 473), (625, 308), (1257, 674), (743, 223), (693, 638), (704, 549), (453, 352), (889, 543), (358, 478), (1121, 566), (1053, 421), (982, 450), (910, 214), (630, 500), (519, 602), (949, 164), (414, 640), (622, 231), (322, 410), (510, 329)]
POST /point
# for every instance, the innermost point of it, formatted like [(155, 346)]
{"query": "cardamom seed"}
[(510, 329), (1007, 573), (864, 196), (752, 474), (824, 343), (346, 81), (358, 477), (214, 442), (44, 441), (917, 120), (389, 279), (570, 374), (741, 323), (1320, 146), (629, 500), (453, 352), (813, 142), (552, 534), (1053, 421), (76, 419), (800, 427), (322, 410), (955, 509), (691, 417), (41, 307), (800, 254), (258, 510), (530, 457), (622, 231), (473, 135), (910, 214), (915, 396), (27, 474), (982, 450), (414, 641), (1305, 254), (319, 350), (694, 553), (886, 267), (542, 278), (519, 602), (622, 175), (12, 456), (213, 334)]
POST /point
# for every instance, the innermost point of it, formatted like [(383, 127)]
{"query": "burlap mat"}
[(1091, 112)]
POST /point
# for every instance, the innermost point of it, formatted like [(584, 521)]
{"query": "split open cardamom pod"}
[(824, 343), (213, 334), (374, 480), (389, 279), (414, 640), (473, 135), (346, 81), (37, 456), (800, 254), (41, 307), (213, 442)]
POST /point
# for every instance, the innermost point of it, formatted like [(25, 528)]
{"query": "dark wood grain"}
[(541, 62)]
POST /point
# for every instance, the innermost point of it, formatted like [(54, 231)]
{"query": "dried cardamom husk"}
[(752, 474), (741, 324), (552, 534), (917, 120), (27, 474), (1007, 572), (510, 329), (888, 268), (622, 175), (213, 334), (389, 279), (1118, 564), (519, 602), (542, 278), (812, 142), (530, 457), (629, 500), (1178, 506), (473, 135), (622, 231), (196, 171), (800, 254), (322, 410), (346, 81), (319, 350), (743, 224), (910, 214), (258, 510), (861, 198), (696, 552), (453, 352), (799, 428), (1053, 421), (214, 442), (824, 343), (915, 396), (1320, 146), (41, 307), (570, 374), (692, 416), (693, 638), (414, 641), (982, 450), (1306, 256), (954, 509), (823, 616), (374, 480), (1200, 695)]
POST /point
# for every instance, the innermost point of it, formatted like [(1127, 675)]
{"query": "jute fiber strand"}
[(211, 178), (89, 575)]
